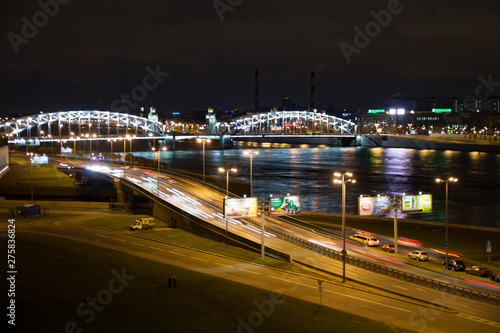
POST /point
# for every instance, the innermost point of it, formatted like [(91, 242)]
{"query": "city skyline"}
[(89, 55)]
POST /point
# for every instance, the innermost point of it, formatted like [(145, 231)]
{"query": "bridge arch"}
[(81, 122), (292, 122)]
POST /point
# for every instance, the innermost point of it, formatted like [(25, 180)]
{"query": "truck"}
[(143, 224)]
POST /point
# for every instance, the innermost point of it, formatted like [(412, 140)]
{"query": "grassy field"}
[(184, 238), (44, 176), (57, 278), (470, 243)]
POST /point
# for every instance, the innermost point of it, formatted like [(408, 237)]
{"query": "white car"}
[(368, 240), (418, 255)]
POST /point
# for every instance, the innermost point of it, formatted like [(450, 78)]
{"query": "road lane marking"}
[(246, 270), (479, 320), (218, 263), (118, 239), (294, 282), (365, 300), (102, 236), (200, 259), (155, 248), (179, 254), (137, 244), (400, 287)]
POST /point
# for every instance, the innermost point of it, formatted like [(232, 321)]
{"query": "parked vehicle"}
[(143, 224), (388, 248), (368, 240), (478, 271), (455, 265), (418, 255)]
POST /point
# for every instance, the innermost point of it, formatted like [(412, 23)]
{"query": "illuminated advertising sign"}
[(237, 208), (397, 111), (284, 205), (441, 110), (40, 159), (374, 205), (376, 111), (421, 203)]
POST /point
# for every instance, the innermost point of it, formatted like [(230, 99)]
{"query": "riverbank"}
[(455, 142)]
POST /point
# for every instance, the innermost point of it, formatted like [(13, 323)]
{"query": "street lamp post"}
[(159, 157), (203, 141), (124, 151), (446, 181), (31, 174), (74, 144), (251, 153), (227, 177), (343, 181)]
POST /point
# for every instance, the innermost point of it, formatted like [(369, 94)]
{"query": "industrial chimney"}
[(256, 91), (312, 102)]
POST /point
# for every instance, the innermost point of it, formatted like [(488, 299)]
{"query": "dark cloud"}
[(93, 51)]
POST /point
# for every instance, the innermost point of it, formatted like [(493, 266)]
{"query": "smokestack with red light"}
[(312, 102), (256, 91)]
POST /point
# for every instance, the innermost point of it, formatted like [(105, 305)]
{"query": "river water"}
[(308, 172)]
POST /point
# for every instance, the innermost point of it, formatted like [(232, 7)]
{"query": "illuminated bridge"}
[(292, 122), (275, 126), (294, 127)]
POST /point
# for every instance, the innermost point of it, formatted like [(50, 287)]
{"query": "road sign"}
[(488, 246)]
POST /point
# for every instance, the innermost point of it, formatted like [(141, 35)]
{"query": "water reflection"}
[(309, 172)]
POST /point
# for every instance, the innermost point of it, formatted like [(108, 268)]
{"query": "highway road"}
[(206, 204), (457, 313)]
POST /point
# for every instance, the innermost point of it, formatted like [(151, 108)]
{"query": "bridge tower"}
[(211, 122)]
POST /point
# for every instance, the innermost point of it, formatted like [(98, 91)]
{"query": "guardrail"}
[(408, 277)]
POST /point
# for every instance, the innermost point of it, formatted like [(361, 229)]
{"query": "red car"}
[(388, 248)]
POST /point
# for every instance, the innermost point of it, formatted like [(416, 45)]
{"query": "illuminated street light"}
[(159, 156), (251, 153), (446, 181), (343, 181), (31, 174), (227, 177), (203, 140)]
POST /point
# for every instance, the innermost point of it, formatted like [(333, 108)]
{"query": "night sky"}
[(91, 52)]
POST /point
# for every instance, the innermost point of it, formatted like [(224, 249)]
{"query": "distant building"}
[(469, 104), (424, 122)]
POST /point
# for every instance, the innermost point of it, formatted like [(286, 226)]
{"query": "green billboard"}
[(288, 205)]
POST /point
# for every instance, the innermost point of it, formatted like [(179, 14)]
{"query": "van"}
[(368, 240)]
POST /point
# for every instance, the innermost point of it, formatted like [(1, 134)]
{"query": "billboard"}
[(421, 203), (236, 208), (379, 205), (284, 205), (40, 159)]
